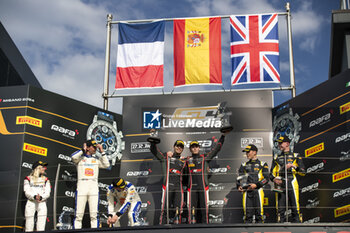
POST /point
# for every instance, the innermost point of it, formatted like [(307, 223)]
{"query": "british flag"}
[(254, 49)]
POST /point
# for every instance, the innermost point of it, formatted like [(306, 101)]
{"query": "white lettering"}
[(137, 173), (63, 130), (320, 120), (315, 167), (310, 188), (341, 192), (342, 138), (70, 194), (193, 123)]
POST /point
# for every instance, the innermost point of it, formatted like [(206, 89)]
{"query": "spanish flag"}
[(197, 51)]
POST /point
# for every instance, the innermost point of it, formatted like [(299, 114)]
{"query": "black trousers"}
[(199, 200), (176, 198), (293, 203), (253, 202)]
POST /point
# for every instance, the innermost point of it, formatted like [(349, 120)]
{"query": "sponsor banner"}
[(341, 211), (342, 193), (29, 120), (344, 155), (15, 96), (344, 108), (140, 147), (316, 167), (314, 150), (343, 138), (215, 218), (197, 117), (311, 188), (204, 117), (258, 142), (341, 175), (35, 149), (321, 120), (312, 220), (312, 203), (62, 131), (317, 123)]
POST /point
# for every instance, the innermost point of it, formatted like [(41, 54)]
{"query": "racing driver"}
[(87, 187)]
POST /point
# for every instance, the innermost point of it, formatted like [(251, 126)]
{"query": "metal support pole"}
[(290, 46), (286, 180), (55, 198), (107, 60), (167, 190)]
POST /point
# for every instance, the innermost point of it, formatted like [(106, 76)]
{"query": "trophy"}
[(153, 138), (225, 118), (243, 181), (278, 188)]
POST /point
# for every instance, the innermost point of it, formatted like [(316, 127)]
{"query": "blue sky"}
[(64, 41)]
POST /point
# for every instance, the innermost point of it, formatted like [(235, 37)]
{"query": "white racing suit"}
[(32, 187), (87, 186), (127, 200)]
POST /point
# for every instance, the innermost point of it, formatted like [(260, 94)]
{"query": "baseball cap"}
[(39, 163), (250, 147), (194, 143), (119, 183), (91, 143), (283, 139), (179, 143)]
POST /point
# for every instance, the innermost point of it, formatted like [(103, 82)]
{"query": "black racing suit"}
[(278, 170), (198, 189), (174, 179), (253, 200)]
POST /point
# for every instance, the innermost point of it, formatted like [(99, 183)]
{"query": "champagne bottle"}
[(193, 219), (177, 218)]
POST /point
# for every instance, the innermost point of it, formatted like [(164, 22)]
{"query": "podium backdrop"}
[(318, 121), (195, 117), (39, 125)]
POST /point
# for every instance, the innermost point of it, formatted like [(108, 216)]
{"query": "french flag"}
[(140, 57)]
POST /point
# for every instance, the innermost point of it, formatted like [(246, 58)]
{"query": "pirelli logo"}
[(341, 175), (345, 108), (35, 149), (29, 120), (341, 211), (314, 150)]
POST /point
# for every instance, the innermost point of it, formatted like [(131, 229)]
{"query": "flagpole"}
[(290, 46), (199, 17), (118, 95), (107, 61)]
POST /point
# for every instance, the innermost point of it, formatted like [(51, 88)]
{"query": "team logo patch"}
[(89, 171)]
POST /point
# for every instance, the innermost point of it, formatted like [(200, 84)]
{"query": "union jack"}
[(254, 49)]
